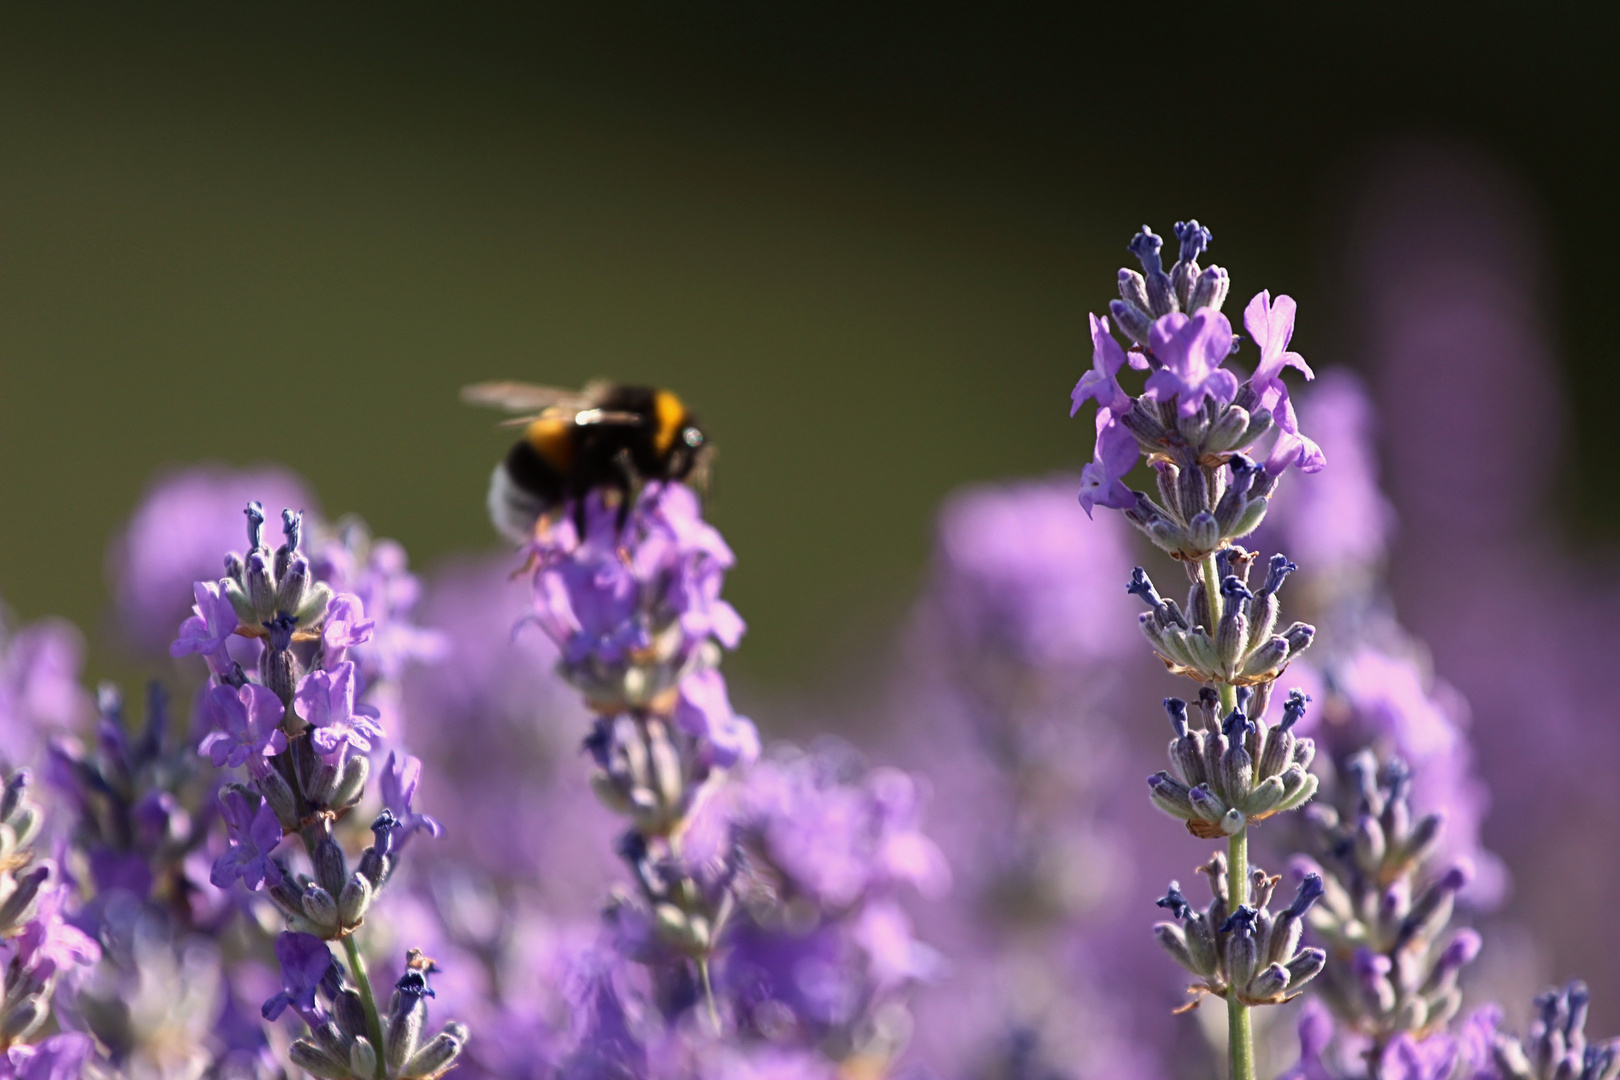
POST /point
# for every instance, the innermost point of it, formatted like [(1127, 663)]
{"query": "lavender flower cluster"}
[(633, 886)]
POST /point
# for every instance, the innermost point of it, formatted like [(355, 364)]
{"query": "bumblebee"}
[(604, 437)]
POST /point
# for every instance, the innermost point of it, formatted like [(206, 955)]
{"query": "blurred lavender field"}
[(959, 883)]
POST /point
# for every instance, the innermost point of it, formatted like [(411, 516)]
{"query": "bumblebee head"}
[(689, 456)]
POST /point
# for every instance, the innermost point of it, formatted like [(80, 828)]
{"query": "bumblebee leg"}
[(623, 480)]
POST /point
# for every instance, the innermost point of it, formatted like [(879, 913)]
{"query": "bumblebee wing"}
[(520, 397), (602, 417)]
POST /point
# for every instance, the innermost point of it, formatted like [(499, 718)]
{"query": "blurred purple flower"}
[(247, 723), (184, 523), (703, 710), (40, 666), (305, 960), (58, 1057), (1337, 521), (326, 700), (1315, 1032), (1017, 572), (253, 837), (49, 944)]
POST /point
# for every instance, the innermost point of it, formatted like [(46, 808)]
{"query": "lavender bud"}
[(1224, 434), (375, 867), (355, 900), (255, 525), (1265, 797), (1432, 910), (330, 869), (1209, 704), (439, 1054), (352, 783), (1176, 709), (317, 1062), (1170, 795), (1215, 747), (21, 1019), (1269, 983), (1133, 288), (16, 791), (1299, 637), (1260, 422), (1149, 432), (1206, 805), (18, 908), (1278, 750), (1166, 474), (1203, 532), (1236, 774), (1161, 296), (319, 907), (1304, 752), (1423, 838), (350, 1013), (1131, 320), (1173, 941), (1209, 289), (1187, 755), (1305, 966), (407, 1015), (261, 586), (1267, 657), (1369, 844), (362, 1057), (1192, 482), (1241, 951), (294, 585)]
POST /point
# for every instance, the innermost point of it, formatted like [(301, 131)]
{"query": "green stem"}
[(1240, 1036), (708, 994), (357, 968)]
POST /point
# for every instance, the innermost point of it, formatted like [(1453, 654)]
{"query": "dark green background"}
[(861, 240)]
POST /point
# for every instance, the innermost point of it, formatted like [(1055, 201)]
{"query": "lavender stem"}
[(357, 968), (1239, 1033)]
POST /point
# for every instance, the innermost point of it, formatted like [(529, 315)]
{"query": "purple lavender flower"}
[(59, 1057), (326, 700), (631, 629), (181, 529), (305, 962), (49, 944), (398, 786), (346, 626), (1101, 383), (254, 835), (1191, 352), (212, 625), (247, 719)]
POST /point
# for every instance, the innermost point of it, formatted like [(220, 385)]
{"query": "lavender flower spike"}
[(1200, 424)]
